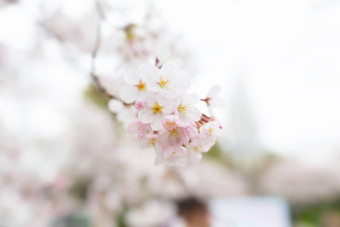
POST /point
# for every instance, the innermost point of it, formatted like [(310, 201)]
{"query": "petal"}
[(129, 94), (164, 54), (169, 106), (181, 77), (149, 72), (146, 115), (192, 132), (170, 122), (115, 105), (131, 77), (178, 85), (195, 114), (217, 102), (213, 92), (184, 119), (167, 68), (170, 67), (191, 99), (157, 123), (132, 127)]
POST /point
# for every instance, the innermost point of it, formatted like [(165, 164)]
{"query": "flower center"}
[(210, 132), (163, 83), (130, 32), (197, 149), (183, 109), (141, 86), (173, 133), (170, 124), (157, 108), (152, 142)]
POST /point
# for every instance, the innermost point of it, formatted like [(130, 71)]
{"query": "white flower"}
[(169, 80), (186, 110), (212, 100), (136, 80), (156, 107), (208, 133)]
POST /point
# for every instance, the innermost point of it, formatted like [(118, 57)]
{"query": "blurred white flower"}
[(300, 183), (152, 213), (125, 113)]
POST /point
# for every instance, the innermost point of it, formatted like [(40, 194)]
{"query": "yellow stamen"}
[(152, 142), (184, 109), (197, 149), (210, 132), (157, 108), (173, 133), (141, 86), (130, 32), (170, 124), (163, 83)]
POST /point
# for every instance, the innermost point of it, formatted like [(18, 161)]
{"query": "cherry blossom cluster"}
[(166, 116)]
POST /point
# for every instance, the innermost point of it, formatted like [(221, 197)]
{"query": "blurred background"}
[(66, 161)]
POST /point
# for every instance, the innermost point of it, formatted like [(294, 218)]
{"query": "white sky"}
[(289, 53)]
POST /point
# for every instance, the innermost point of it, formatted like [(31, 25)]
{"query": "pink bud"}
[(139, 104)]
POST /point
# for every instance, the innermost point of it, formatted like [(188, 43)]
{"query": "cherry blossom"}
[(170, 122), (172, 156), (173, 138), (186, 110), (168, 79), (213, 100), (208, 134), (154, 111), (138, 128), (148, 141), (166, 118), (135, 86)]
